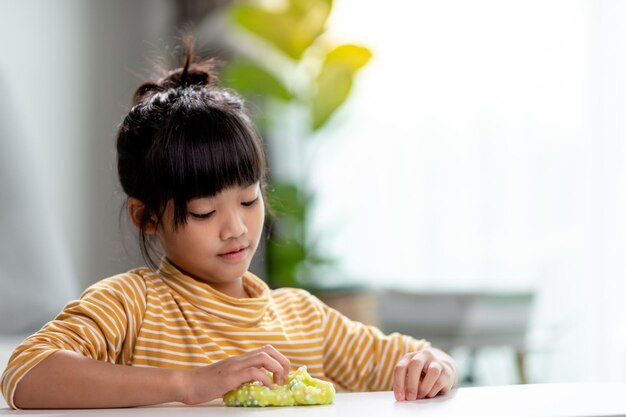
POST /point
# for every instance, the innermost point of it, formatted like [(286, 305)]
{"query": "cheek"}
[(202, 234), (171, 241), (186, 238), (259, 218)]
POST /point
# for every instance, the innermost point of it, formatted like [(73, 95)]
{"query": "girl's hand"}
[(423, 374), (213, 381)]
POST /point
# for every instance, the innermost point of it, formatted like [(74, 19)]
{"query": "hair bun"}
[(195, 77), (202, 73), (193, 72)]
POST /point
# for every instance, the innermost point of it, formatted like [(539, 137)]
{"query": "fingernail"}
[(399, 396), (410, 396)]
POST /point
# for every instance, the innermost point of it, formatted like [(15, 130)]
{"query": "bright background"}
[(481, 150)]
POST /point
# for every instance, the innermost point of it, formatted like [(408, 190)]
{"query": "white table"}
[(545, 400)]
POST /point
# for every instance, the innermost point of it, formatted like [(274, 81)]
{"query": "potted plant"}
[(288, 65)]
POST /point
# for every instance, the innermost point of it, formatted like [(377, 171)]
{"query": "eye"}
[(249, 203), (202, 215)]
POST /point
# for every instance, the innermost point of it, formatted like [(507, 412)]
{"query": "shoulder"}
[(131, 284), (291, 294), (297, 297)]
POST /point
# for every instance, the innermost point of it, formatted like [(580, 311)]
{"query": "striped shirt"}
[(167, 319)]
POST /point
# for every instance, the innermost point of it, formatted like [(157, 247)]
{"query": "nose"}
[(233, 225)]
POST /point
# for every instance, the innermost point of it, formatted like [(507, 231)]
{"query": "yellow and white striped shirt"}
[(167, 319)]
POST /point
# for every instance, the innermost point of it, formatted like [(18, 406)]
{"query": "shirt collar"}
[(242, 311)]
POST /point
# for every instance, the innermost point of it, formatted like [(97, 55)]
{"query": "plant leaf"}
[(334, 82), (286, 199), (292, 30), (284, 255), (249, 78)]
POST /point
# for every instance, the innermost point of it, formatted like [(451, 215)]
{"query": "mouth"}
[(236, 254)]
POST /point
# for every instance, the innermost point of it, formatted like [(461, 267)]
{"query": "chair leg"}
[(470, 375), (521, 368)]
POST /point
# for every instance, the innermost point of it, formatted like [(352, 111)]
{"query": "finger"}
[(261, 359), (442, 385), (276, 368), (448, 378), (399, 376), (282, 360), (280, 375), (414, 374), (256, 374), (436, 389), (429, 379), (447, 387)]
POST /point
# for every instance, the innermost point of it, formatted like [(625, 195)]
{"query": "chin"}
[(235, 272)]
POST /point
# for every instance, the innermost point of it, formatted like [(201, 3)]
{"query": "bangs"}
[(203, 153)]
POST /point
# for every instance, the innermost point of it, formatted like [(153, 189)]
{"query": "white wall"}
[(483, 148), (66, 77)]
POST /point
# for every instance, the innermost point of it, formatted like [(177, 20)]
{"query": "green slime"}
[(300, 389)]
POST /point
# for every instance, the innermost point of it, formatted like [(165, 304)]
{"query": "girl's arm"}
[(361, 358), (69, 380), (102, 325)]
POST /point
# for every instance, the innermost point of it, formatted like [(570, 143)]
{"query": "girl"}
[(199, 324)]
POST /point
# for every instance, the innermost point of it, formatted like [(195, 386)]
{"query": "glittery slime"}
[(300, 389)]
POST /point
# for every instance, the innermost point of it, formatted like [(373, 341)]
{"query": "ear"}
[(136, 210)]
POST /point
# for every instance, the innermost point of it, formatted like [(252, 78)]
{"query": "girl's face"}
[(220, 237)]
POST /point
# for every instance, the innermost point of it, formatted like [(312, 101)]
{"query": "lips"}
[(237, 254), (233, 251)]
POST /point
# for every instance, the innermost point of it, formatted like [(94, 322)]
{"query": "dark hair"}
[(185, 137)]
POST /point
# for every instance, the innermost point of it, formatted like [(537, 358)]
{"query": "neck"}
[(233, 289)]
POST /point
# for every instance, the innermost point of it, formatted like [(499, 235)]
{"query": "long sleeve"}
[(361, 357), (101, 325)]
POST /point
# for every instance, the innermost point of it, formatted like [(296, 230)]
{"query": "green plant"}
[(293, 62)]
